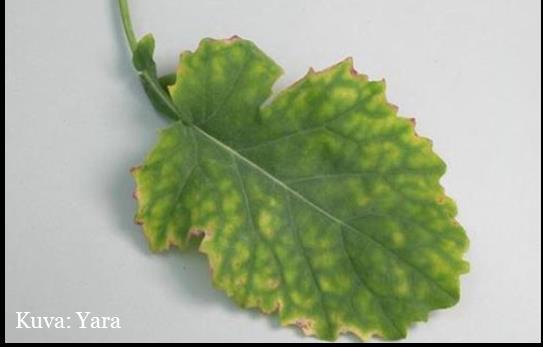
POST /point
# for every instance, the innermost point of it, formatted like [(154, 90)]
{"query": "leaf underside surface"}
[(321, 204)]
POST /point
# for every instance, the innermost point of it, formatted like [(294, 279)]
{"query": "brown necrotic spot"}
[(134, 169), (233, 38), (354, 72), (305, 325), (196, 234)]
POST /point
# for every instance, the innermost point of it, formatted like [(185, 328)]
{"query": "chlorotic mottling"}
[(323, 206)]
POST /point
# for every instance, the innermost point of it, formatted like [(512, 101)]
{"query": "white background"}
[(77, 120)]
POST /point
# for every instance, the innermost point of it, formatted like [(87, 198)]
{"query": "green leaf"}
[(154, 88), (323, 205), (143, 55)]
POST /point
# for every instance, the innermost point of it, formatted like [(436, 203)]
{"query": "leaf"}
[(143, 63), (323, 205), (143, 55)]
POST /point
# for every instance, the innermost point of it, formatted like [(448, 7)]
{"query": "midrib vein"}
[(316, 207)]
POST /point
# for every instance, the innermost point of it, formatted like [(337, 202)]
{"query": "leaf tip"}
[(394, 108), (134, 170), (350, 64), (233, 38)]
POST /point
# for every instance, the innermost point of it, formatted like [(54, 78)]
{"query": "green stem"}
[(127, 25)]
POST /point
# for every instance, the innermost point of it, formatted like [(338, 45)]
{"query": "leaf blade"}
[(248, 186)]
